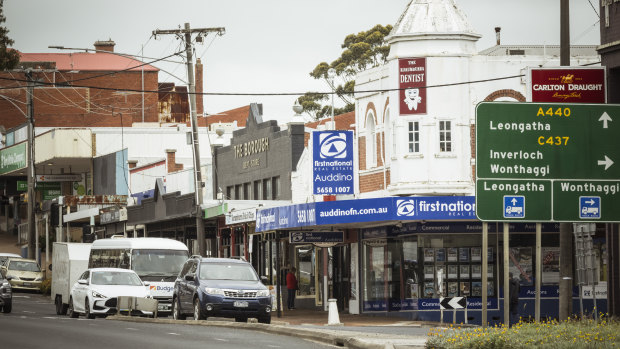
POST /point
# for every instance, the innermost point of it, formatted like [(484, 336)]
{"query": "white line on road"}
[(174, 334), (131, 329), (274, 346), (221, 340), (28, 311)]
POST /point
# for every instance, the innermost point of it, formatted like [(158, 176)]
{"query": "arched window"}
[(371, 141)]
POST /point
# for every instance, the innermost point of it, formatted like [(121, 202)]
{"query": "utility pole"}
[(566, 236), (186, 35), (31, 166)]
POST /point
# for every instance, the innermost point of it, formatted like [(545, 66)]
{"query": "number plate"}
[(27, 284), (240, 304), (162, 307)]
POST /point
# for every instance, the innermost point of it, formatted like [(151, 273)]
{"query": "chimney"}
[(105, 45), (497, 36), (132, 163), (171, 162), (198, 88)]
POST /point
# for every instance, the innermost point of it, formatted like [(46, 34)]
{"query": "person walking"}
[(291, 287), (514, 289)]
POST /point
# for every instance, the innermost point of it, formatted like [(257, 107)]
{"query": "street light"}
[(331, 74)]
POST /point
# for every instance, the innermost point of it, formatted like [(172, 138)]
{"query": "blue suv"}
[(221, 287)]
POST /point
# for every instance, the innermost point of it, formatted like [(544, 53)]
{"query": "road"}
[(33, 323)]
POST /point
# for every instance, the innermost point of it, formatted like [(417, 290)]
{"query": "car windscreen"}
[(115, 278), (222, 271), (160, 263), (24, 266)]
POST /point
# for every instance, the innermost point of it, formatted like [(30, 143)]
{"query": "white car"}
[(96, 291)]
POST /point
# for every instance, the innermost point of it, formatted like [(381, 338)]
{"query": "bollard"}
[(333, 318)]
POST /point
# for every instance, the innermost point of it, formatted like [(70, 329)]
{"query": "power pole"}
[(31, 166), (566, 236), (186, 35)]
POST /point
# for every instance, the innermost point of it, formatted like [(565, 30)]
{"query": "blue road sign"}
[(590, 207), (514, 206)]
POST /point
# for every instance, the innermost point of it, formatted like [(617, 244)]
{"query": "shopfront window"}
[(306, 268)]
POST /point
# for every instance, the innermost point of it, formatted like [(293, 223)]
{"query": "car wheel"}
[(87, 312), (176, 310), (7, 307), (71, 311), (265, 319), (198, 314), (61, 309)]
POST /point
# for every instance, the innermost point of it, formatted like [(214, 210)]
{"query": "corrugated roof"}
[(82, 61), (538, 50)]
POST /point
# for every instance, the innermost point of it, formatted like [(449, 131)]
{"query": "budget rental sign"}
[(412, 83), (568, 85)]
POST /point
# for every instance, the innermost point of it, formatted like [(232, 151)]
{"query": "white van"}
[(156, 260)]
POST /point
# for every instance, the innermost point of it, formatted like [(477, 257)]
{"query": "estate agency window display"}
[(452, 267)]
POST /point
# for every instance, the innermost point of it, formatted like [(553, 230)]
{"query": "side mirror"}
[(9, 278), (147, 284), (190, 277), (82, 282), (264, 279)]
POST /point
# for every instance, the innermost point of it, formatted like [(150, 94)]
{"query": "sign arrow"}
[(514, 201), (607, 162), (591, 202), (605, 118)]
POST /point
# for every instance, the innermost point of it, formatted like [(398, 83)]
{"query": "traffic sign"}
[(552, 155), (452, 303)]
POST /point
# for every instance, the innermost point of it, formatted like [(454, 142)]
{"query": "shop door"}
[(340, 275)]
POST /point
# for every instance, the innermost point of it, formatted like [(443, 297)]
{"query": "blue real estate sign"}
[(332, 162)]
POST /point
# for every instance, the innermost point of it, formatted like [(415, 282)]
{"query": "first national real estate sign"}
[(547, 162), (332, 162)]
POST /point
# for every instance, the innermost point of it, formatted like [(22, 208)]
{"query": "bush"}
[(548, 334), (46, 286)]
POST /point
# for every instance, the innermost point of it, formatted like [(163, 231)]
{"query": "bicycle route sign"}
[(547, 162)]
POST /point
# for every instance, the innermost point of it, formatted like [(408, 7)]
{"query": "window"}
[(275, 187), (445, 136), (238, 192), (229, 192), (371, 142), (267, 189), (414, 137), (246, 191), (258, 192)]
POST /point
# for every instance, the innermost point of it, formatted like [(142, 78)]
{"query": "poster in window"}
[(453, 271), (490, 271), (429, 290), (476, 271), (429, 255), (464, 291), (476, 289), (440, 255), (453, 253), (521, 264), (550, 265), (464, 271), (490, 289), (490, 254), (463, 254), (429, 272), (453, 289), (476, 254)]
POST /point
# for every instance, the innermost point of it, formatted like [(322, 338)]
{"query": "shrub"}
[(46, 286)]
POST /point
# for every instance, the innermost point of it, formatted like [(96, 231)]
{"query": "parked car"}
[(5, 256), (97, 290), (24, 274), (221, 287), (6, 295)]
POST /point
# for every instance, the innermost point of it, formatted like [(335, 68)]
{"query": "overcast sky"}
[(269, 45)]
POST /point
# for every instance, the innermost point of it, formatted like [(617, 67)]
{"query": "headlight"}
[(262, 293), (6, 284), (97, 294), (13, 277), (39, 279), (214, 291)]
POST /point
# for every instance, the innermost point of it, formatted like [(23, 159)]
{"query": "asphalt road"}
[(33, 323)]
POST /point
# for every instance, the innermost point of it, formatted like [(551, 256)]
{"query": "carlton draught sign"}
[(568, 85)]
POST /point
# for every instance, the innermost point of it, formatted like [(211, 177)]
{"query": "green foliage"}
[(46, 286), (361, 51), (9, 58), (548, 334)]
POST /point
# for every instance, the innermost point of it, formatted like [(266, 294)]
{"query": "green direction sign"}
[(574, 149)]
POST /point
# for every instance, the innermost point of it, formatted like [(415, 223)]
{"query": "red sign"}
[(569, 85), (412, 79)]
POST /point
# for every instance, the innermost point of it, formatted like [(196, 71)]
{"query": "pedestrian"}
[(291, 287), (513, 292)]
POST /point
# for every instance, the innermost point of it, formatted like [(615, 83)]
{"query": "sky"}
[(270, 46)]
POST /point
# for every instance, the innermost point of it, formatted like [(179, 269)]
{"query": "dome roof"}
[(432, 17)]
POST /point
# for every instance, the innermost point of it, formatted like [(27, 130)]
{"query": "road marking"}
[(174, 334), (221, 340), (274, 346), (51, 317), (131, 329), (28, 312)]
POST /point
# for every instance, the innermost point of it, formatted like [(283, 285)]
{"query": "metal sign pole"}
[(506, 276), (538, 269), (485, 282)]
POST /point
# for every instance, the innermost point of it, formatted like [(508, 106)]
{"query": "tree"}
[(9, 58), (364, 50)]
